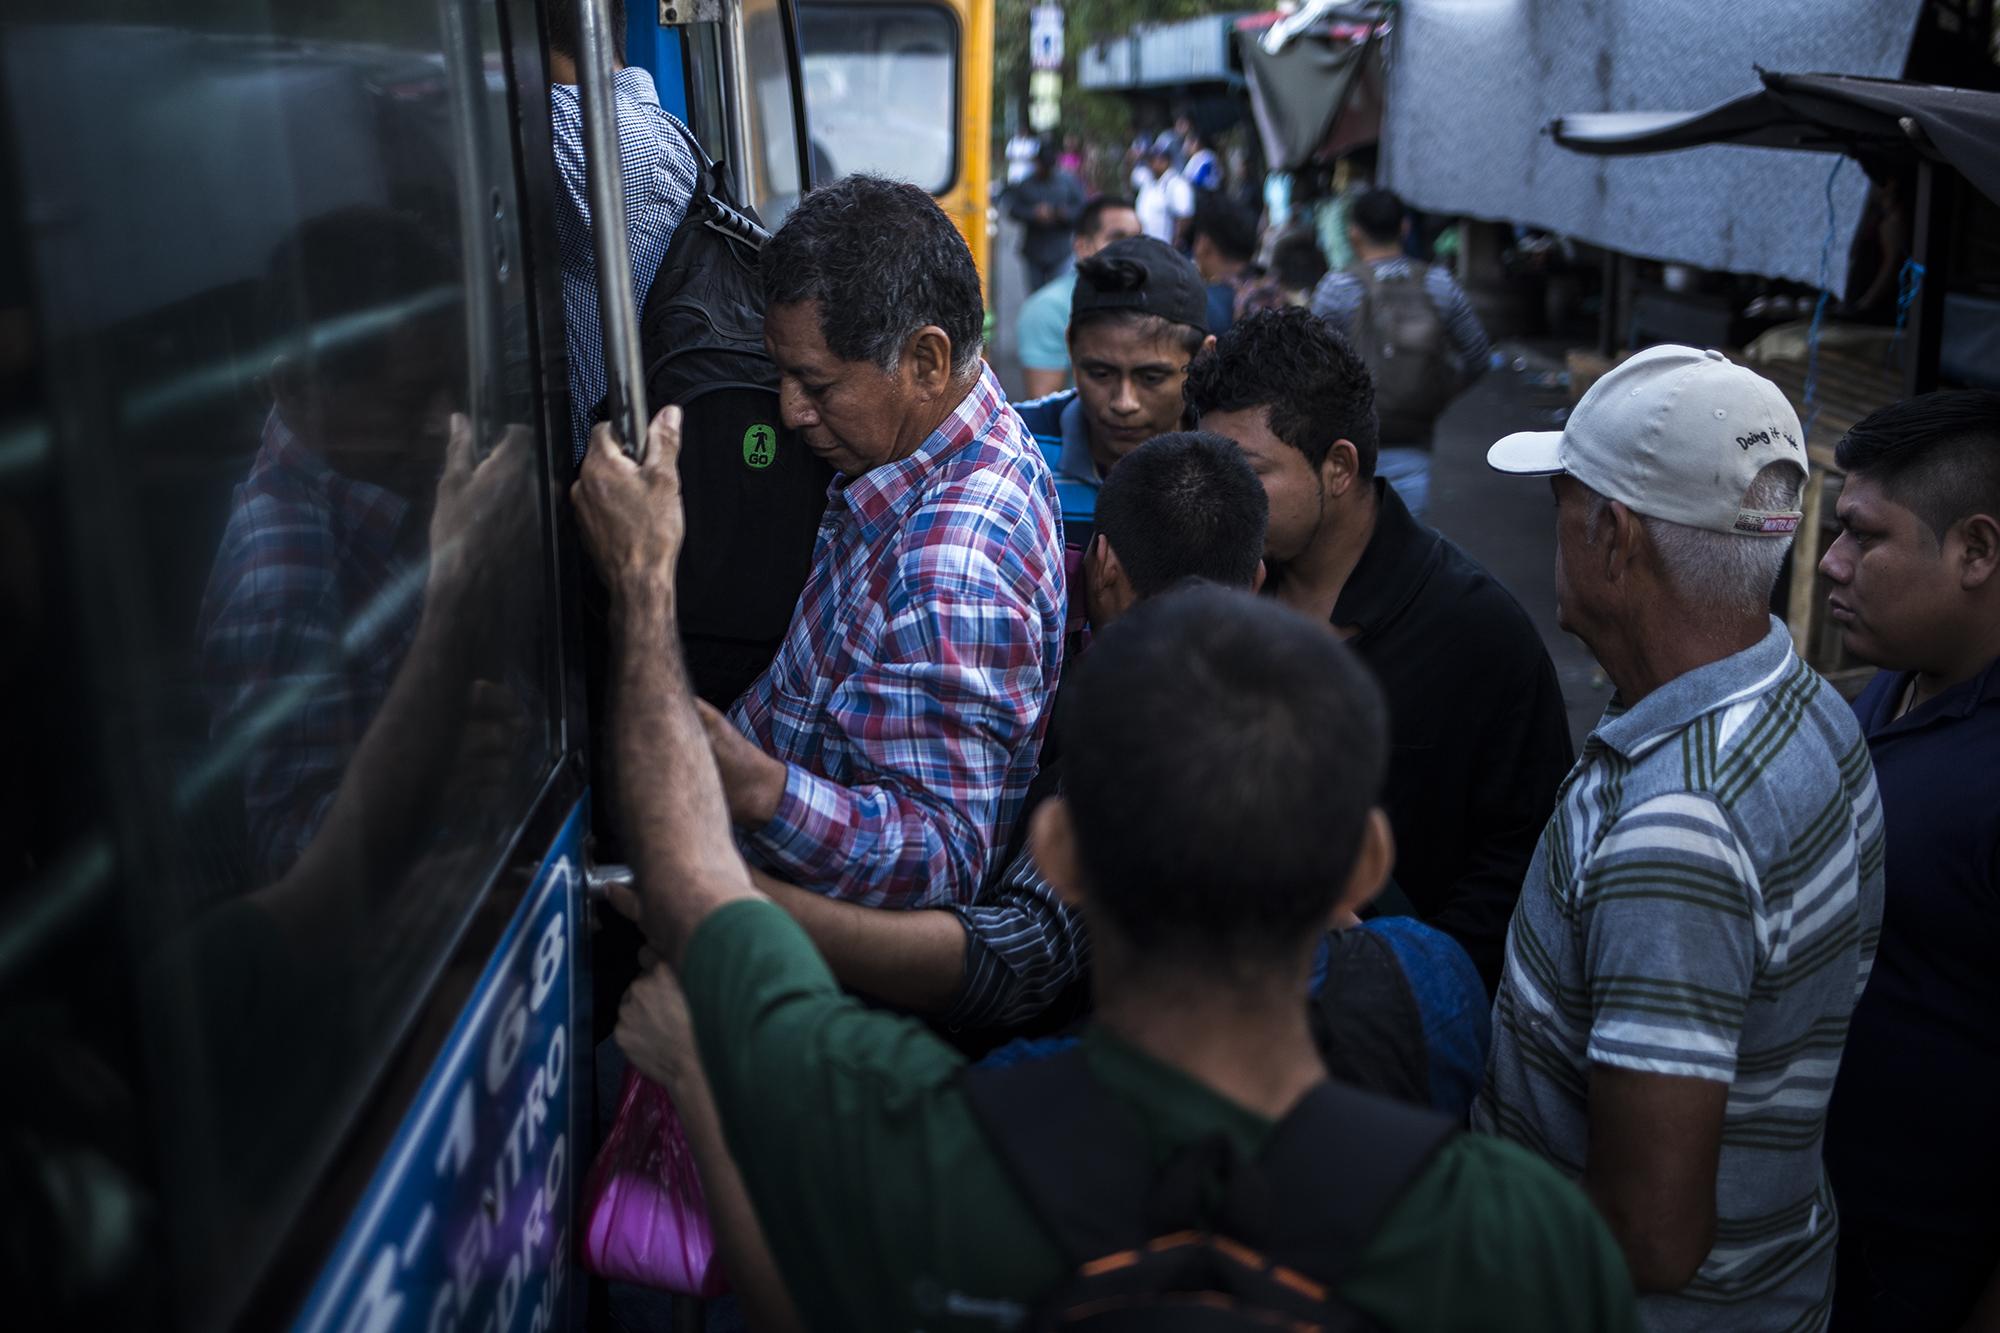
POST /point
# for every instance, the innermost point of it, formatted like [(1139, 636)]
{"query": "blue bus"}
[(296, 957)]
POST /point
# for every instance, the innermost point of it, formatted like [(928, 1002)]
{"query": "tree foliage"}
[(1085, 23)]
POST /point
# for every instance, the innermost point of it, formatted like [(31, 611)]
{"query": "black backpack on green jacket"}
[(1207, 1242)]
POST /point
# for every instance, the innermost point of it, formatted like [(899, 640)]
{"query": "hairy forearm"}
[(914, 960), (676, 820)]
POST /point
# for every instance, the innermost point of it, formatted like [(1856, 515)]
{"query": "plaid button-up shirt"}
[(299, 645), (659, 176), (909, 697)]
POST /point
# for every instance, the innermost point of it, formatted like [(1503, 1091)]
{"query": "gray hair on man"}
[(1729, 570)]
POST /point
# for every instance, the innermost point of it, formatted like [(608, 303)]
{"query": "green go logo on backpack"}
[(760, 446)]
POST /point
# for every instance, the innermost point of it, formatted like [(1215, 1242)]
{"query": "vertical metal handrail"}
[(738, 88), (465, 76), (624, 372)]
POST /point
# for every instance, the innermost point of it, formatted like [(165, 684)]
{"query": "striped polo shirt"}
[(1057, 423), (1705, 903)]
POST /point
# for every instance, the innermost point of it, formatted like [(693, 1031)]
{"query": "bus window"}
[(741, 102), (272, 468), (771, 88), (881, 89)]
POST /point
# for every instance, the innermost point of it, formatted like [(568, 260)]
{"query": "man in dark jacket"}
[(1046, 205)]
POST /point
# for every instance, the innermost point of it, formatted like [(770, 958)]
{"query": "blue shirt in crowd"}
[(1060, 430)]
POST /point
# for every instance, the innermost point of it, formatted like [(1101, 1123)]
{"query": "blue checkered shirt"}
[(659, 174)]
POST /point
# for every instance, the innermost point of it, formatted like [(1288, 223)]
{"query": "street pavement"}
[(1508, 524)]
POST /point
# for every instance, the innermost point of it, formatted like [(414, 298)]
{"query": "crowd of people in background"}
[(1236, 924), (1408, 318)]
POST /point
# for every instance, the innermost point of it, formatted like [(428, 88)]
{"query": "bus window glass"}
[(772, 124), (297, 516), (881, 90)]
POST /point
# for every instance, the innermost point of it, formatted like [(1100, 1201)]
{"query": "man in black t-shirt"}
[(1481, 741)]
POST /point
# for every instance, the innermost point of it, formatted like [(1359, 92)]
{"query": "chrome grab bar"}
[(624, 371)]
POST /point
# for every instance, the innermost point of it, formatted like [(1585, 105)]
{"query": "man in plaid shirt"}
[(883, 757), (314, 598)]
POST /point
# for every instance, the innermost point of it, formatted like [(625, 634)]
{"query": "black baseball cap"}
[(1143, 274)]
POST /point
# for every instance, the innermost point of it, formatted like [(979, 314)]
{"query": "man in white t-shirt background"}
[(1165, 200)]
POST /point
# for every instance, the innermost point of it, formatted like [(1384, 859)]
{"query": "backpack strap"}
[(716, 190), (1076, 1153), (1337, 1164), (1331, 1171)]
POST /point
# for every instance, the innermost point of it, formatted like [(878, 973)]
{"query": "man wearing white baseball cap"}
[(1702, 912)]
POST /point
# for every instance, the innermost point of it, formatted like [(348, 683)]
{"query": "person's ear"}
[(1978, 551), (1340, 470), (1107, 589), (928, 356), (1621, 536), (1370, 872), (1052, 843), (1257, 579)]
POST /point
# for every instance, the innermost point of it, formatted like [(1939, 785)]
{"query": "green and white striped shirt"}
[(1705, 903)]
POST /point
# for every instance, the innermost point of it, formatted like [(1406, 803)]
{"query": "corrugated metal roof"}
[(1156, 55)]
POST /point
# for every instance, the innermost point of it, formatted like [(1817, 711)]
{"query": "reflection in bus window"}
[(881, 86), (303, 625)]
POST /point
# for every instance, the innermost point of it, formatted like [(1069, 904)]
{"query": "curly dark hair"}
[(882, 260), (1293, 363)]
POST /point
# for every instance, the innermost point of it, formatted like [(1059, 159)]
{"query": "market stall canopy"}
[(1315, 81), (1471, 85), (1884, 123), (1877, 121)]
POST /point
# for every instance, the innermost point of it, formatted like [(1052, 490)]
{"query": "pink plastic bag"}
[(646, 1219)]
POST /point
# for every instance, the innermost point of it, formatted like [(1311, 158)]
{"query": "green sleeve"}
[(1488, 1237), (882, 1203)]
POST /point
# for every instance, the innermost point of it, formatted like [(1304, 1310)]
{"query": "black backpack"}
[(1283, 1229), (753, 492), (1406, 345)]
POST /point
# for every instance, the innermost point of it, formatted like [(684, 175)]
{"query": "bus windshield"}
[(881, 87)]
